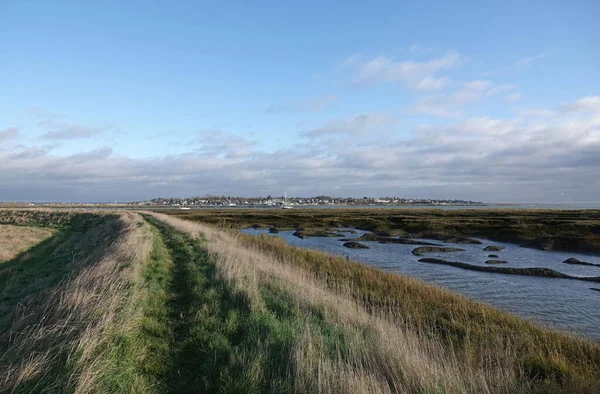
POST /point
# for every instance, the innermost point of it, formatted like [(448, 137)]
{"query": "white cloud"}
[(215, 142), (63, 130), (451, 105), (530, 60), (519, 64), (415, 74), (9, 134), (431, 83), (476, 127), (360, 125), (501, 89), (589, 103), (483, 158)]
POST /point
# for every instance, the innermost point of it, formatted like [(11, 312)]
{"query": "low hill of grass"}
[(148, 303)]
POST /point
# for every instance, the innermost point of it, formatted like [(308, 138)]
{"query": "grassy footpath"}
[(195, 333)]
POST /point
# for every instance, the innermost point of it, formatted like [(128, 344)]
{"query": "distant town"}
[(271, 201)]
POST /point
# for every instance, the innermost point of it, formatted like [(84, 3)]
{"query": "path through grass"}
[(197, 334)]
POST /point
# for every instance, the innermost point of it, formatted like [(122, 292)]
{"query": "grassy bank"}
[(151, 304), (457, 322), (576, 231), (195, 333), (491, 351), (58, 302)]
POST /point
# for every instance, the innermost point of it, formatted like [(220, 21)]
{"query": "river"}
[(568, 305)]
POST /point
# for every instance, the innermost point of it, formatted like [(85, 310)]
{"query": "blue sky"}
[(105, 100)]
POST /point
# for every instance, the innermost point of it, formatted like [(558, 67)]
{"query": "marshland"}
[(140, 301)]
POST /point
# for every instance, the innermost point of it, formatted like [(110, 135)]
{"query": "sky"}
[(487, 101)]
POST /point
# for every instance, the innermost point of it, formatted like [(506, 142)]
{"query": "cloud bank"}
[(548, 155)]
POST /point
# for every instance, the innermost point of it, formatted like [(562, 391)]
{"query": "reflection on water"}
[(561, 303)]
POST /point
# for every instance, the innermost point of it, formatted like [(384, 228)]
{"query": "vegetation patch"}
[(113, 303), (355, 245), (493, 248), (15, 240), (199, 334), (434, 249), (57, 304), (576, 231), (496, 262), (303, 233), (461, 324)]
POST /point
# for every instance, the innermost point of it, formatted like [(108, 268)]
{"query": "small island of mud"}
[(493, 248), (541, 272), (434, 249), (355, 245), (303, 233), (575, 261)]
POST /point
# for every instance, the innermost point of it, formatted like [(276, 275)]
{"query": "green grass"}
[(42, 267), (194, 333), (36, 276), (183, 326), (547, 358)]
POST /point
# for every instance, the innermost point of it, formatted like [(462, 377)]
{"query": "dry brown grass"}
[(384, 355), (15, 240), (63, 329)]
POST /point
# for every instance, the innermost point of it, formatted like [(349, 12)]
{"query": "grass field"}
[(149, 303), (17, 239)]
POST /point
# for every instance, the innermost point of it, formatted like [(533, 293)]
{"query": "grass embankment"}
[(576, 231), (544, 358), (57, 303), (431, 339), (166, 305), (219, 317), (196, 334)]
